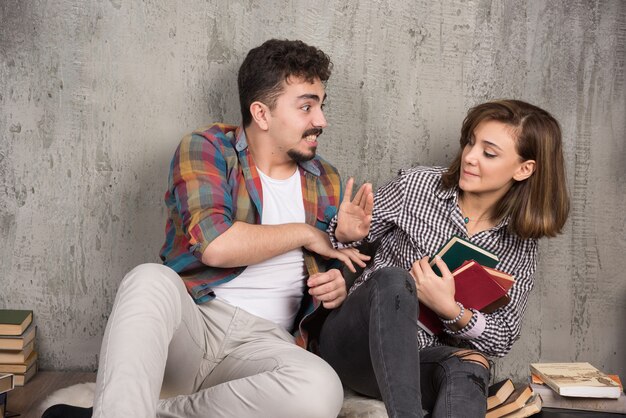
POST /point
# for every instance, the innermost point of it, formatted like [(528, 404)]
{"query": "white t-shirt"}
[(273, 289)]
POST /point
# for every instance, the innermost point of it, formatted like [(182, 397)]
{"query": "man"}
[(245, 240)]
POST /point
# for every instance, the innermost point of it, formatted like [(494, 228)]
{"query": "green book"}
[(457, 251), (14, 321)]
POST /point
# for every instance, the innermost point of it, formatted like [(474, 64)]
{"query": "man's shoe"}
[(67, 411)]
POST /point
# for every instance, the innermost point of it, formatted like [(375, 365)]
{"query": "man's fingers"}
[(331, 299), (351, 256), (324, 291), (356, 256), (332, 304), (321, 278), (328, 287), (345, 260)]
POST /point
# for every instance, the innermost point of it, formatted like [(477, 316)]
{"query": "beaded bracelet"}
[(457, 318)]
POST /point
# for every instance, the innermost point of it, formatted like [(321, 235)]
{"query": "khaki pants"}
[(163, 355)]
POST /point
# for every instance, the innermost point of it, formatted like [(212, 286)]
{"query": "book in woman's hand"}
[(477, 287)]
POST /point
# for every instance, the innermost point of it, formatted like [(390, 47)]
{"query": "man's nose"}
[(320, 119)]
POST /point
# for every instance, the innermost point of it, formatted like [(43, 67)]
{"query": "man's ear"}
[(525, 170), (260, 114)]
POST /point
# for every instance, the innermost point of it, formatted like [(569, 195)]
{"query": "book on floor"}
[(14, 321), (551, 399), (18, 342), (499, 392), (516, 401), (16, 357), (577, 380), (19, 367), (22, 378), (475, 287), (3, 404), (7, 382), (533, 406), (457, 251)]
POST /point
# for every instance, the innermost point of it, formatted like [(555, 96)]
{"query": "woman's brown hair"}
[(539, 205)]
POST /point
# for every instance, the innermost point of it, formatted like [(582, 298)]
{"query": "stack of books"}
[(478, 284), (7, 383), (577, 386), (17, 345), (506, 400)]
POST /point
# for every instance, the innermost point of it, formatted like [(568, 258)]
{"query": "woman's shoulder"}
[(424, 170), (426, 176)]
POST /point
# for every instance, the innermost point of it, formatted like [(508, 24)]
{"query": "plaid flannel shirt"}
[(213, 182)]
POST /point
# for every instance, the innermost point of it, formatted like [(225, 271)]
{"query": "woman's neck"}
[(477, 212)]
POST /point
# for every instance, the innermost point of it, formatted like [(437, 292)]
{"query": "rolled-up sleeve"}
[(202, 193)]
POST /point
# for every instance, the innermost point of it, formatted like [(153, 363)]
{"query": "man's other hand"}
[(328, 287), (319, 243)]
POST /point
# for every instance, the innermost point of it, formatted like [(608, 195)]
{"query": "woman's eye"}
[(488, 155)]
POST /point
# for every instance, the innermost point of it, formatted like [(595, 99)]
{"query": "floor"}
[(25, 400)]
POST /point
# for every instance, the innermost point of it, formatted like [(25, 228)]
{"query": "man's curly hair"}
[(266, 67)]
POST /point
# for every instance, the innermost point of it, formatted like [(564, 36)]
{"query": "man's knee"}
[(153, 275), (319, 392)]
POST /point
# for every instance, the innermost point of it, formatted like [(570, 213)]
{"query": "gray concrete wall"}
[(95, 95)]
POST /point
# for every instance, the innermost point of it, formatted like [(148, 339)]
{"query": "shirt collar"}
[(241, 144), (451, 195)]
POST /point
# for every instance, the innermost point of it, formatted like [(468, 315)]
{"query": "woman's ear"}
[(525, 170), (260, 115)]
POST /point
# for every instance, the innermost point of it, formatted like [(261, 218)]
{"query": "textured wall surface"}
[(95, 95)]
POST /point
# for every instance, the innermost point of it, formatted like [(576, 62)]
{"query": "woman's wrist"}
[(447, 320), (449, 311)]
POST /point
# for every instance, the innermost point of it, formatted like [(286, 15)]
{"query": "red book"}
[(478, 287)]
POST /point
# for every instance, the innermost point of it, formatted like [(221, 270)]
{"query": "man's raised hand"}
[(355, 215)]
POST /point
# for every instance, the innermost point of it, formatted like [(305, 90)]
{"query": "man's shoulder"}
[(324, 166), (220, 135)]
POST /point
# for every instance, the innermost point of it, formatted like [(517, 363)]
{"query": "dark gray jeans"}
[(371, 342)]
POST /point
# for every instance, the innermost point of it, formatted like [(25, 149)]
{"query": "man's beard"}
[(300, 157)]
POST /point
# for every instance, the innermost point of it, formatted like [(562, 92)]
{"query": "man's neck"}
[(273, 165)]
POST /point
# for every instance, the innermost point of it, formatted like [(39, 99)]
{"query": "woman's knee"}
[(468, 366), (473, 356), (394, 280)]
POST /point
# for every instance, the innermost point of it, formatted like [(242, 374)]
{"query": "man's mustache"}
[(312, 131)]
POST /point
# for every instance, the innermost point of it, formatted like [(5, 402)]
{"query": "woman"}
[(505, 189)]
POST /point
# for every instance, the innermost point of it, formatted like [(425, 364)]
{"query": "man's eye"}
[(306, 108)]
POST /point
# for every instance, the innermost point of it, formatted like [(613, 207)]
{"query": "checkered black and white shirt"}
[(413, 217)]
